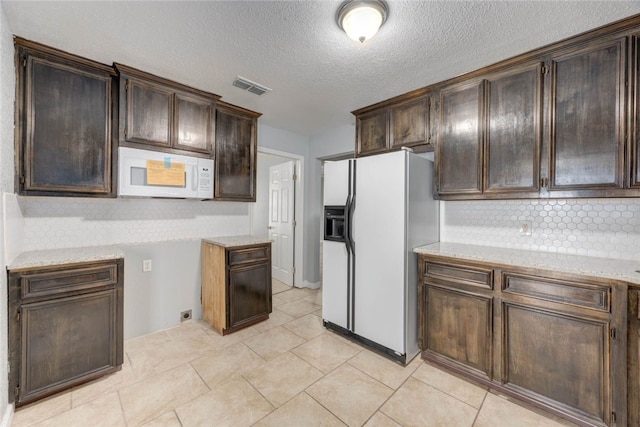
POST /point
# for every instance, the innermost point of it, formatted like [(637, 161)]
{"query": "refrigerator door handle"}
[(347, 224), (352, 243)]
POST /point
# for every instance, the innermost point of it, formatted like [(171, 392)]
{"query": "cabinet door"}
[(148, 113), (193, 124), (66, 341), (633, 362), (458, 327), (249, 294), (235, 157), (371, 133), (66, 126), (409, 124), (514, 130), (559, 356), (588, 118), (634, 152), (460, 142)]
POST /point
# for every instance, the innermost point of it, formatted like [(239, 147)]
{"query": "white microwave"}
[(145, 173)]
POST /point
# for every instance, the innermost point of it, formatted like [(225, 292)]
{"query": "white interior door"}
[(282, 220)]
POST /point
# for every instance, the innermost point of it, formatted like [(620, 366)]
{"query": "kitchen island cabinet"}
[(557, 331), (65, 321), (236, 282)]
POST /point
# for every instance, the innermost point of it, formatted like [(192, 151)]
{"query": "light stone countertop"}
[(607, 268), (50, 257), (231, 241)]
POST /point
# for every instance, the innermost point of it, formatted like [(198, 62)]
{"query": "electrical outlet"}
[(185, 315), (146, 265), (525, 228)]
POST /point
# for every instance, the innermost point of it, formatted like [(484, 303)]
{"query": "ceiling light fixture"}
[(361, 19)]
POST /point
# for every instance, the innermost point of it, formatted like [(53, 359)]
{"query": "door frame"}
[(298, 208)]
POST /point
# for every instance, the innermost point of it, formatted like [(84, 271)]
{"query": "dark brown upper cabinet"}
[(633, 158), (513, 130), (372, 133), (588, 117), (461, 139), (400, 122), (409, 124), (165, 114), (235, 153), (64, 109), (556, 121)]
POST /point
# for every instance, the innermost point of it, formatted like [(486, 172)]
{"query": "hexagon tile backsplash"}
[(596, 227), (607, 228), (55, 222)]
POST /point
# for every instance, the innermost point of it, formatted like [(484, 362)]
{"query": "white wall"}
[(7, 95), (282, 140), (154, 300), (292, 143)]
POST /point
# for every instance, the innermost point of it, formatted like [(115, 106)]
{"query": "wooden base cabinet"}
[(556, 341), (65, 327), (633, 348), (236, 285)]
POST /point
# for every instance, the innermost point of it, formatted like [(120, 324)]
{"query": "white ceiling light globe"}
[(361, 19), (362, 23)]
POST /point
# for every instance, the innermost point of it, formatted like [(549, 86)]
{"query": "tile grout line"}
[(388, 398), (479, 409), (449, 394)]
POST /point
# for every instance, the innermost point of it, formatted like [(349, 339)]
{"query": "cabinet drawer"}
[(579, 294), (248, 255), (461, 274), (68, 280)]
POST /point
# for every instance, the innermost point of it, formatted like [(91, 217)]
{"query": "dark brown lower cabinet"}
[(633, 379), (560, 342), (236, 285), (460, 328), (65, 327), (558, 357), (248, 289)]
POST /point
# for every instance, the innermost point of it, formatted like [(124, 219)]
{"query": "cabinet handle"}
[(544, 182)]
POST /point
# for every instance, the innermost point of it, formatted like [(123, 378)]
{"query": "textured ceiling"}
[(318, 75)]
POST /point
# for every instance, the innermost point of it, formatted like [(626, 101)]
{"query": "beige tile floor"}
[(286, 371)]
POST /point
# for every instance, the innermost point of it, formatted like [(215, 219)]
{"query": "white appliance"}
[(377, 209), (145, 173)]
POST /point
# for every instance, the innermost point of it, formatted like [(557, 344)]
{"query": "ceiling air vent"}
[(248, 85)]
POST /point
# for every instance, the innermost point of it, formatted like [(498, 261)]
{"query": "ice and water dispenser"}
[(334, 220)]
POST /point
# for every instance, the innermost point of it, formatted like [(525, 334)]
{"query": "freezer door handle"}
[(347, 224), (352, 243)]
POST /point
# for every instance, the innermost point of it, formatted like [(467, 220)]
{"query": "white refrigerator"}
[(377, 209)]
